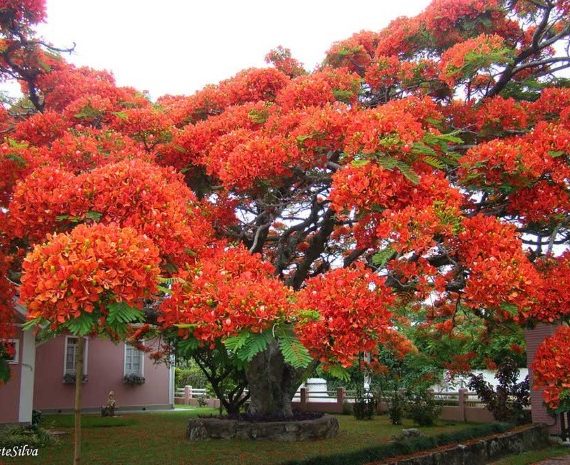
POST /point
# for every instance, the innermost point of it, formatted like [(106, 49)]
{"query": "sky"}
[(178, 46)]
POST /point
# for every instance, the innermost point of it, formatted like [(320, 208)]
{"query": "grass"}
[(87, 421), (158, 438), (534, 456)]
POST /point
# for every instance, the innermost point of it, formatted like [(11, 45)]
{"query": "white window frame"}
[(85, 356), (142, 356), (15, 360)]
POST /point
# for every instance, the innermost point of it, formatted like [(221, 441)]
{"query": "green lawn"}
[(158, 439), (534, 456)]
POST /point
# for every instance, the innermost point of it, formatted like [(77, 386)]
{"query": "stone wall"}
[(200, 429), (481, 451)]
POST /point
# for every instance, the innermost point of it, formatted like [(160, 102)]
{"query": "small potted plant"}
[(69, 378), (133, 379)]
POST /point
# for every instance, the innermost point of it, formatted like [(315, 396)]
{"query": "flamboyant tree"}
[(300, 216)]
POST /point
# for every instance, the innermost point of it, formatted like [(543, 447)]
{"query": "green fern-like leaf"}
[(387, 162), (408, 172), (186, 347), (82, 325), (122, 313), (360, 162), (255, 343), (435, 162), (339, 372), (294, 353), (381, 258), (235, 343)]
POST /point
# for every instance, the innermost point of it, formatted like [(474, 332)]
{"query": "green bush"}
[(190, 376), (32, 436), (347, 408), (364, 409), (410, 446), (396, 409), (422, 408)]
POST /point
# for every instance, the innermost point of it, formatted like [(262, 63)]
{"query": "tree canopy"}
[(418, 177)]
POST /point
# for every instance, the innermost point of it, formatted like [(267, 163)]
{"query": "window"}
[(70, 351), (134, 359), (13, 346)]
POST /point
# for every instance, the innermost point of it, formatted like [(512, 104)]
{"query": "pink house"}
[(16, 397), (540, 414), (41, 378)]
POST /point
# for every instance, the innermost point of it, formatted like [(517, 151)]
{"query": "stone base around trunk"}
[(294, 430)]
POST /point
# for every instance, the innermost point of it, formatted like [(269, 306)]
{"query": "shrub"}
[(364, 409), (385, 451), (507, 401), (36, 418), (396, 409), (202, 400), (32, 436), (190, 375), (422, 408)]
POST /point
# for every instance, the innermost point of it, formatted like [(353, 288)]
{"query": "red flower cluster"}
[(554, 292), (353, 307), (26, 11), (354, 53), (319, 88), (501, 278), (465, 59), (132, 193), (551, 368), (281, 58), (226, 293), (88, 268)]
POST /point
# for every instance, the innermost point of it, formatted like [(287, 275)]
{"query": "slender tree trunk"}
[(272, 383), (77, 407)]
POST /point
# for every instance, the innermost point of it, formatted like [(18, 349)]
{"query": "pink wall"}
[(105, 370), (539, 413), (10, 392)]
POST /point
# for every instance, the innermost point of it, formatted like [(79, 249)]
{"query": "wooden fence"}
[(461, 406)]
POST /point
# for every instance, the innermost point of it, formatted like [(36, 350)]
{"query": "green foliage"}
[(294, 353), (32, 436), (258, 116), (4, 371), (186, 347), (364, 406), (423, 408), (82, 325), (474, 61), (87, 421), (396, 409), (133, 379), (408, 172), (383, 256), (343, 95), (190, 375), (88, 112), (403, 447), (121, 312), (339, 372), (387, 162), (121, 315), (247, 345)]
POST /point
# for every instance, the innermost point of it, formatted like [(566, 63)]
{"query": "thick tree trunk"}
[(272, 383), (77, 406)]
